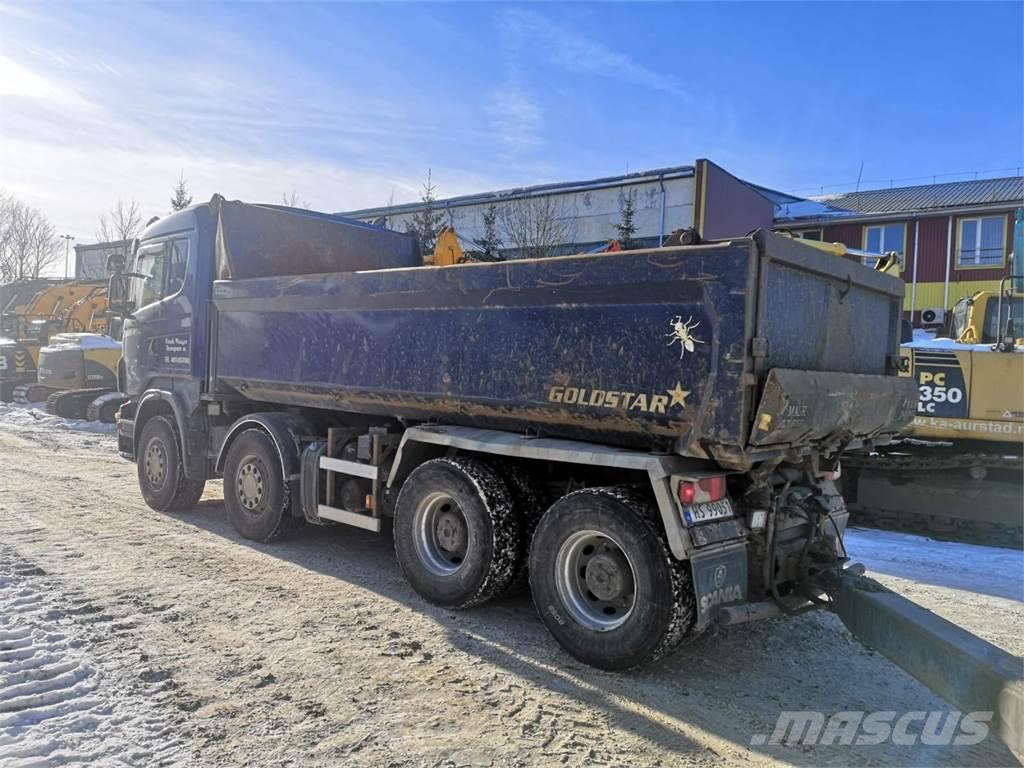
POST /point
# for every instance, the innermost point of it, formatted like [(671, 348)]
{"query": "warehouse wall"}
[(591, 215)]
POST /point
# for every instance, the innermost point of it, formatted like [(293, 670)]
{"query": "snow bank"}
[(20, 417), (983, 570)]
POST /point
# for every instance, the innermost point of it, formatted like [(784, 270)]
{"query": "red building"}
[(954, 238)]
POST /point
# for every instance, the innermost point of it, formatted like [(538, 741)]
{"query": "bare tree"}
[(122, 222), (291, 199), (7, 205), (537, 225), (28, 240)]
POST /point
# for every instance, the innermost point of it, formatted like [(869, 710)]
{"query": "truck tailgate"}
[(803, 406)]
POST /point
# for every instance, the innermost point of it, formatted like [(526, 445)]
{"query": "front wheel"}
[(604, 581), (162, 479)]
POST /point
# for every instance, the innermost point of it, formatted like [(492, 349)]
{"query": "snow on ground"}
[(991, 571), (58, 704), (34, 423)]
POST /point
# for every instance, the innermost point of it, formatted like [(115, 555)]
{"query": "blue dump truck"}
[(648, 438)]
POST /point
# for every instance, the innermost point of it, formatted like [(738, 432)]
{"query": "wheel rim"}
[(441, 534), (250, 483), (155, 464), (595, 580)]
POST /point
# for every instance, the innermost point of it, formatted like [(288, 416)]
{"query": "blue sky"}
[(349, 104)]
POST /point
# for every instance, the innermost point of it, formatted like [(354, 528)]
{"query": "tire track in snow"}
[(57, 703)]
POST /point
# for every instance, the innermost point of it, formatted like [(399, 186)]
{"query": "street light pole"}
[(67, 249)]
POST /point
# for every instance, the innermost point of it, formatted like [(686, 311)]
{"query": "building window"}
[(810, 234), (981, 242), (882, 238)]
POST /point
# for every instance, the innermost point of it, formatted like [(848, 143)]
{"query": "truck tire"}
[(255, 491), (161, 473), (528, 505), (456, 535), (604, 581)]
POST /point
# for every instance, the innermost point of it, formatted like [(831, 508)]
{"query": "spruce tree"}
[(626, 228), (490, 243), (182, 199), (426, 222)]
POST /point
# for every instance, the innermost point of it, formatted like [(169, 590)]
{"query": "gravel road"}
[(129, 637)]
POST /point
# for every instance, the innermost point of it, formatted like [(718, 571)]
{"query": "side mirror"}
[(118, 288), (115, 263)]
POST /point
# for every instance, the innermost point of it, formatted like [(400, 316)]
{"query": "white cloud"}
[(529, 33), (20, 82), (515, 118)]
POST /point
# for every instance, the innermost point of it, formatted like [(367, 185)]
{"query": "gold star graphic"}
[(678, 395)]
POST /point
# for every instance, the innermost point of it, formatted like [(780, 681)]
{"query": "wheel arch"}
[(156, 402), (285, 431)]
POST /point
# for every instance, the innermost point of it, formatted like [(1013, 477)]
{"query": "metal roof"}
[(678, 171), (929, 196)]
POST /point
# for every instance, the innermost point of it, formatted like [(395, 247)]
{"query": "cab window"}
[(162, 267), (995, 326)]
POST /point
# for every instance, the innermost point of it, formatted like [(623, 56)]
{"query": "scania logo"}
[(720, 572)]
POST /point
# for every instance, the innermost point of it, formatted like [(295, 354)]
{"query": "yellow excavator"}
[(26, 326), (57, 348), (958, 473)]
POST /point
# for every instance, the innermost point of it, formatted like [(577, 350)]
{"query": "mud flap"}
[(719, 579), (803, 406)]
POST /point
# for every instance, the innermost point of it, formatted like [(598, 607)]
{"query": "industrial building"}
[(954, 238), (702, 195)]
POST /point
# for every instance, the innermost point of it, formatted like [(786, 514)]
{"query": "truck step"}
[(357, 519)]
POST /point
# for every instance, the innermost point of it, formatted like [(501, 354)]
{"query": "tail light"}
[(702, 490)]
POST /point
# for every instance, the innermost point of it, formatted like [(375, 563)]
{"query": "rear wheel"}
[(604, 581), (162, 479), (456, 535), (255, 493)]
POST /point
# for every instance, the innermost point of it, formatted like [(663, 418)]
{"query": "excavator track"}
[(104, 408), (26, 394), (73, 403), (7, 390), (933, 491)]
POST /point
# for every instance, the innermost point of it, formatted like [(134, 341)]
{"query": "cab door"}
[(157, 339)]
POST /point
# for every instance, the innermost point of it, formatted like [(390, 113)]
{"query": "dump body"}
[(664, 349)]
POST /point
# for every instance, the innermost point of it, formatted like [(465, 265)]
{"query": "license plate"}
[(707, 510)]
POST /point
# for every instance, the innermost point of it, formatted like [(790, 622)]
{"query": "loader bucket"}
[(968, 672)]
